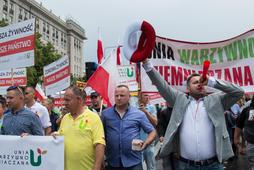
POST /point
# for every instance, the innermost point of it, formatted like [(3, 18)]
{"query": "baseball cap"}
[(94, 94)]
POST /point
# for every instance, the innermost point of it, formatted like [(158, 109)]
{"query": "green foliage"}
[(3, 23), (75, 79), (44, 55)]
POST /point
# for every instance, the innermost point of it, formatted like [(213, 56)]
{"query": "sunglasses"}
[(15, 88), (93, 97)]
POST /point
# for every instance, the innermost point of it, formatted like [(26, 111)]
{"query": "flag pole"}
[(139, 80), (12, 79), (101, 106)]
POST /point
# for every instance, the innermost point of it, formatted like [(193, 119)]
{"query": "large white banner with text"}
[(57, 76), (31, 153), (11, 77), (17, 43), (231, 60)]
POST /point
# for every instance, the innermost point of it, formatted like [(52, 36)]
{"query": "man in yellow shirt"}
[(84, 141)]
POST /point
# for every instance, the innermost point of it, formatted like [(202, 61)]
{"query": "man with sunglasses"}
[(18, 120), (38, 109)]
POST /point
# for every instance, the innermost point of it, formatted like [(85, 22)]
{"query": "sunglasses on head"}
[(14, 88)]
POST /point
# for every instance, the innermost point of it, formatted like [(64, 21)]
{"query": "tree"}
[(44, 55), (74, 79), (3, 23)]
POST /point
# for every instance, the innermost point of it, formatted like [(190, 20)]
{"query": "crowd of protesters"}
[(194, 130)]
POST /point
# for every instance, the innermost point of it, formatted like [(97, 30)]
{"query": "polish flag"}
[(39, 93), (99, 48), (105, 79), (118, 55)]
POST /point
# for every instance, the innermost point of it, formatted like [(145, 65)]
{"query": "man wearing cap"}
[(96, 101)]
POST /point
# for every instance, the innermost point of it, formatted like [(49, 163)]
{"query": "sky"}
[(186, 20)]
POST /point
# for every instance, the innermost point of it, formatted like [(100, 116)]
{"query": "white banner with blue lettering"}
[(31, 152)]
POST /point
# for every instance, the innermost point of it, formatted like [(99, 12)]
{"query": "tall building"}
[(66, 36)]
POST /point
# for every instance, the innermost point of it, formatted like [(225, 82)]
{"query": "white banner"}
[(57, 76), (31, 153), (127, 76), (8, 78), (231, 60), (17, 42)]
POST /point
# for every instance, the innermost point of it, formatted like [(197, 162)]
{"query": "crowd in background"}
[(32, 117)]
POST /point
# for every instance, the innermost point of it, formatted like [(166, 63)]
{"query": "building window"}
[(11, 11), (62, 39), (54, 32), (47, 28), (20, 13), (26, 16), (44, 27), (5, 6), (65, 46), (37, 23)]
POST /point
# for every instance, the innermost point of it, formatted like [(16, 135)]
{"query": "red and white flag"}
[(105, 79), (39, 93), (99, 48), (118, 55)]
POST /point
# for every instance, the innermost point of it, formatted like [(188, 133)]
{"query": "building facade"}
[(66, 36)]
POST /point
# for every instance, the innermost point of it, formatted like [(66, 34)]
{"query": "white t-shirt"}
[(43, 114)]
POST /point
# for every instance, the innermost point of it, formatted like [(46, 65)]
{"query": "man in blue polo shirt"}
[(122, 124), (18, 120)]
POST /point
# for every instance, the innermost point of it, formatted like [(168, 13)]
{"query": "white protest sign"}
[(10, 77), (31, 153), (57, 76), (17, 43)]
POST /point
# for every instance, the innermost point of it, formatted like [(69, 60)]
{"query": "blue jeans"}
[(250, 155), (213, 166), (149, 157)]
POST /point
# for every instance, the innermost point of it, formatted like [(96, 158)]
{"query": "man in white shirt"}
[(38, 109), (197, 129)]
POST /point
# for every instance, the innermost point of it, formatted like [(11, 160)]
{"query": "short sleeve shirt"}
[(80, 137), (23, 121), (43, 114), (120, 132)]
